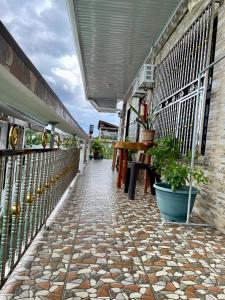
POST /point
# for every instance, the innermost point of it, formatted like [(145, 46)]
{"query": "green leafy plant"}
[(69, 142), (107, 149), (174, 168), (33, 138), (96, 145), (166, 151), (146, 121)]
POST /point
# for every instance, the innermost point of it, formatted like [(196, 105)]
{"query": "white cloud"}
[(43, 5), (42, 29), (70, 62), (69, 72), (49, 79)]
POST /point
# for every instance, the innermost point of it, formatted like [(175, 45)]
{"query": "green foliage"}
[(107, 150), (103, 147), (175, 174), (166, 151), (69, 142), (29, 140), (174, 169), (199, 176), (96, 145), (150, 120), (33, 138)]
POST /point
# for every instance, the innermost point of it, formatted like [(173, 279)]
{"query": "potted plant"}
[(173, 192), (146, 121), (96, 147)]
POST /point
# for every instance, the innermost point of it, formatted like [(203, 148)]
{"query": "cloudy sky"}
[(42, 29)]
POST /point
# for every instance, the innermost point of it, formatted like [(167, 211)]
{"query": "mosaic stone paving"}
[(102, 246)]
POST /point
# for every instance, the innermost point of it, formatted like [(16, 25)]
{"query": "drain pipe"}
[(193, 150)]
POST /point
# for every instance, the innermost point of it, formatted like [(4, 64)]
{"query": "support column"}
[(52, 135), (85, 152), (74, 140), (3, 135)]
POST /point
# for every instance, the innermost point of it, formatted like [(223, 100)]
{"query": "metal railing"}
[(31, 184)]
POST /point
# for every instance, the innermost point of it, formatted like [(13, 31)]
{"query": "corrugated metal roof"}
[(113, 38)]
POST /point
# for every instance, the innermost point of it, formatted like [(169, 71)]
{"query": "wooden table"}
[(123, 148)]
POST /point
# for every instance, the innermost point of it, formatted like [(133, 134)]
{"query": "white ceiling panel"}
[(113, 38)]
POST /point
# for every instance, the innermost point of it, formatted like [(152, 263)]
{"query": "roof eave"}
[(73, 23)]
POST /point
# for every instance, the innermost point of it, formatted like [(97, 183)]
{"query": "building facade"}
[(107, 131), (185, 48)]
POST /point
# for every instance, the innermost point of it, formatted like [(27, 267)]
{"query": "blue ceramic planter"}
[(173, 205)]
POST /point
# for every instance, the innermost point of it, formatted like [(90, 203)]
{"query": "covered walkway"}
[(102, 246)]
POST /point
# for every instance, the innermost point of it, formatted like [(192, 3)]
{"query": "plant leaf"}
[(141, 122), (134, 110)]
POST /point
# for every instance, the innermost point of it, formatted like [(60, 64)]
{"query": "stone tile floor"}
[(102, 246)]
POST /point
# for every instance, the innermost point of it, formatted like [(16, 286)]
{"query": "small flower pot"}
[(173, 205), (148, 135)]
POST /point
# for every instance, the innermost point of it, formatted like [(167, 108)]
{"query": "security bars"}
[(185, 109), (31, 184), (176, 81), (177, 119), (197, 113)]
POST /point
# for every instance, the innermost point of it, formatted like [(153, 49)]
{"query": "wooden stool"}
[(145, 159), (114, 158), (123, 148), (131, 178)]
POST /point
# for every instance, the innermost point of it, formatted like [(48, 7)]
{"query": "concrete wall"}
[(211, 203)]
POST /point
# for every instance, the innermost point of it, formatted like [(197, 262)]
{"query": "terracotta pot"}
[(148, 135)]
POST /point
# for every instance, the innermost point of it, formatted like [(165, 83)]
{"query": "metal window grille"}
[(176, 82)]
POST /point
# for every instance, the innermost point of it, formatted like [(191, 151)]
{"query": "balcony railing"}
[(31, 184)]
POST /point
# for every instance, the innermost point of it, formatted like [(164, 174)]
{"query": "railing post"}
[(81, 162), (15, 211), (52, 136), (29, 199), (6, 216), (51, 181), (24, 201), (47, 185)]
